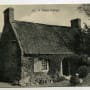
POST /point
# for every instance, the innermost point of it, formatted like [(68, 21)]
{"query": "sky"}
[(46, 14)]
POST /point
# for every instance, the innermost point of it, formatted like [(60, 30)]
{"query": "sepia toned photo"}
[(45, 45)]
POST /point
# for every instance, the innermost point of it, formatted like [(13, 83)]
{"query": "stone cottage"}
[(33, 49)]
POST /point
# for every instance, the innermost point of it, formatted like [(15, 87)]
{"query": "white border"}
[(44, 1)]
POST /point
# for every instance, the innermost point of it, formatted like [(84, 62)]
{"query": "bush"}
[(74, 80), (57, 78), (83, 71), (61, 78), (41, 78)]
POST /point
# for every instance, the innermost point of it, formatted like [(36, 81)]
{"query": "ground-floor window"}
[(40, 65), (44, 64)]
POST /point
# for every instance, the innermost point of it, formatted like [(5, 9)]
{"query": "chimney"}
[(76, 23), (9, 15)]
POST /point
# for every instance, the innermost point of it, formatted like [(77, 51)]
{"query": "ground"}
[(86, 81), (64, 83), (7, 85)]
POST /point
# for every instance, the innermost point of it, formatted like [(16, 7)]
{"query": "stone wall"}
[(31, 77), (27, 66)]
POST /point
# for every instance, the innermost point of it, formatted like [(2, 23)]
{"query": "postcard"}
[(45, 45)]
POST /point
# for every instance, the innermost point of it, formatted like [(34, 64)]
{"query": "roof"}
[(38, 38)]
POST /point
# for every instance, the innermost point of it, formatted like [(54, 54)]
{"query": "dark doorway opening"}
[(66, 67)]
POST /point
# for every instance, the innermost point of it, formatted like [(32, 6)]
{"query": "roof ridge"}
[(40, 23)]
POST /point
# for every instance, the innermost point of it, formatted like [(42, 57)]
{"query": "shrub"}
[(41, 78), (61, 78), (74, 80), (83, 71), (58, 78)]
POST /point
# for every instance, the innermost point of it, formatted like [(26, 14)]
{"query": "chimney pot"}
[(76, 23)]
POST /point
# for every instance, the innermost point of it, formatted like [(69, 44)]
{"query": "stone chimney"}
[(76, 23), (8, 15)]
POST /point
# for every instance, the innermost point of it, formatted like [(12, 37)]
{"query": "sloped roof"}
[(43, 39)]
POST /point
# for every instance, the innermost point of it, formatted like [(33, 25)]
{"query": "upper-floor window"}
[(13, 41)]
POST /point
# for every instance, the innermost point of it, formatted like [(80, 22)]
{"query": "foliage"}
[(57, 78), (61, 78), (74, 80), (83, 60), (83, 71), (85, 8)]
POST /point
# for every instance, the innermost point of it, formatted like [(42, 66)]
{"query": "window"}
[(44, 64), (40, 65), (13, 41)]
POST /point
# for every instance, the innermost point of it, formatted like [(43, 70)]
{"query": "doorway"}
[(66, 67)]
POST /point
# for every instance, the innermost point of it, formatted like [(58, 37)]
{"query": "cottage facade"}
[(33, 49)]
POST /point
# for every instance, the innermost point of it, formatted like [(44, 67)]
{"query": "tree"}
[(85, 8)]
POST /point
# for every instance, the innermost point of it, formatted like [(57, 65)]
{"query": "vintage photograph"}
[(45, 45)]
